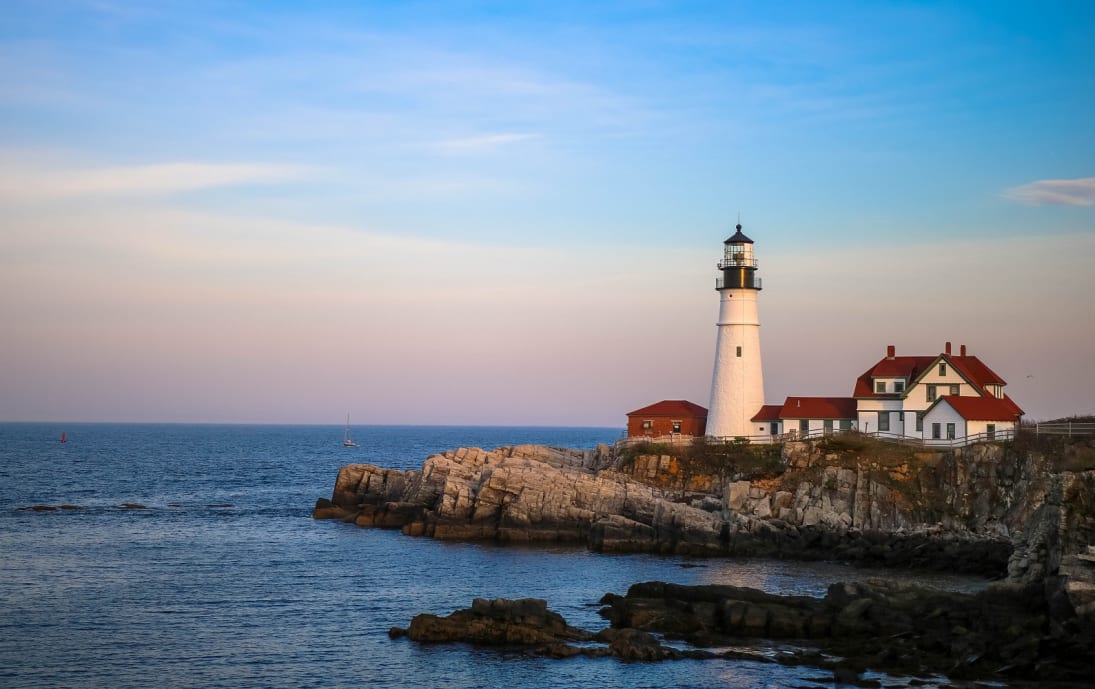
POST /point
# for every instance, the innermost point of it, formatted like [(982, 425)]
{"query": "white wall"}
[(943, 414)]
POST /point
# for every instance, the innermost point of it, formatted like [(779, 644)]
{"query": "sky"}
[(510, 214)]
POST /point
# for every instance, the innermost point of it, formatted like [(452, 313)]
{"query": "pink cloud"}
[(1065, 192)]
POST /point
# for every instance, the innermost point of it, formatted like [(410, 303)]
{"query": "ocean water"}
[(223, 579)]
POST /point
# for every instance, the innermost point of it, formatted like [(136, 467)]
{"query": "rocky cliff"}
[(1000, 509)]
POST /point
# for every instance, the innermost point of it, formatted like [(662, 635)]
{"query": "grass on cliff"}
[(738, 459), (847, 449)]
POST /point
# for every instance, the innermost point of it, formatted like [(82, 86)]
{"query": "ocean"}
[(216, 575)]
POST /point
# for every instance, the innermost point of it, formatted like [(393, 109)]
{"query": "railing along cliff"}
[(1067, 428), (678, 440)]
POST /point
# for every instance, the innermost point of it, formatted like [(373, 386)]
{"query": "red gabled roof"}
[(911, 367), (972, 367), (679, 408), (769, 412), (907, 367), (818, 408), (983, 408)]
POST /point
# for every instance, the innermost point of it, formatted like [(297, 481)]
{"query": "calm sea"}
[(225, 580)]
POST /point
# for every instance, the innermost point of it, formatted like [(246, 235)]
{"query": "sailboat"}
[(346, 439), (64, 438)]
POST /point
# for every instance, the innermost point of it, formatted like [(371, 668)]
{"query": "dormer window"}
[(899, 386), (880, 386)]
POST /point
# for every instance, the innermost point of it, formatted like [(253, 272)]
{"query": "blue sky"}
[(503, 213)]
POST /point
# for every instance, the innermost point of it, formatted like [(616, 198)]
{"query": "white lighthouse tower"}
[(737, 384)]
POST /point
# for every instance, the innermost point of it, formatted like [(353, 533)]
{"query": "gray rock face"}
[(992, 509), (524, 494)]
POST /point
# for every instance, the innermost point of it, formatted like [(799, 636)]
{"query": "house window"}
[(676, 426), (827, 426), (942, 370), (936, 431), (880, 386), (899, 386), (648, 426), (845, 424), (955, 390), (931, 393), (920, 421), (883, 420), (950, 431), (990, 431), (803, 427), (739, 351)]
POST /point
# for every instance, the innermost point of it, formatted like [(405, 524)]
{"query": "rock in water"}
[(498, 622)]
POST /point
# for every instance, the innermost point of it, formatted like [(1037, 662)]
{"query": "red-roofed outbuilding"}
[(667, 418)]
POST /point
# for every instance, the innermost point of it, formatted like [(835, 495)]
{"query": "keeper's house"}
[(943, 398)]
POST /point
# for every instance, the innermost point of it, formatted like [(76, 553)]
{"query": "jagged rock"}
[(524, 494), (962, 635), (995, 509), (498, 622)]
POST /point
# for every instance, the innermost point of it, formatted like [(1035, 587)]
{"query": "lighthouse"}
[(737, 383)]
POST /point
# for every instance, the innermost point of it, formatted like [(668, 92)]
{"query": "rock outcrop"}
[(498, 622), (524, 494), (997, 510), (1003, 632)]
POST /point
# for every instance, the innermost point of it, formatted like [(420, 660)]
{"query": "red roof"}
[(769, 412), (972, 368), (907, 367), (676, 408), (818, 408), (983, 408), (911, 367)]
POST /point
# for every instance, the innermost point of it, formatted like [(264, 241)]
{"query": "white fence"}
[(1067, 428), (679, 440)]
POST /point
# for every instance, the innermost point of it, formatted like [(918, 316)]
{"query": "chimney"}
[(890, 351), (948, 348), (963, 350)]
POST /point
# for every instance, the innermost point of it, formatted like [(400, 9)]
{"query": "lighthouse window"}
[(739, 351)]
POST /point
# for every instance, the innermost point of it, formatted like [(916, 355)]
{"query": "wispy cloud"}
[(30, 183), (1062, 192), (482, 143)]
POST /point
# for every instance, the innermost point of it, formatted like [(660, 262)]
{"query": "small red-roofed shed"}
[(667, 418)]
